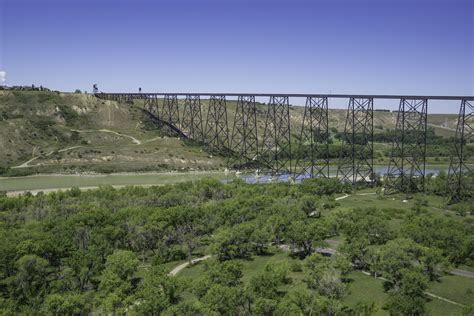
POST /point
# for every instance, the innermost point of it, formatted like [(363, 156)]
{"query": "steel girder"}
[(356, 159), (244, 140), (313, 153), (276, 147), (406, 169), (191, 121), (216, 133), (458, 186)]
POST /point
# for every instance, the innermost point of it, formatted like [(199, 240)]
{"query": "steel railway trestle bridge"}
[(303, 150)]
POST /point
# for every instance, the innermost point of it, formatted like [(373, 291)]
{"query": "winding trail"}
[(27, 163), (178, 269), (342, 197), (134, 140)]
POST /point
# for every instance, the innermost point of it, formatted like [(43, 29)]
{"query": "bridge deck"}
[(296, 95)]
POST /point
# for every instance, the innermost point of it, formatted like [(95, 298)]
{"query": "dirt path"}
[(27, 164), (342, 197), (177, 269), (443, 127), (134, 140), (347, 195), (463, 273)]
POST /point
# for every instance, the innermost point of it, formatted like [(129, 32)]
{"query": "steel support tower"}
[(406, 169), (170, 110), (356, 159), (151, 105), (216, 133), (191, 121), (276, 147), (244, 140), (458, 186), (313, 153)]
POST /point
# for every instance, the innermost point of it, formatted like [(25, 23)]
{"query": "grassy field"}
[(364, 288), (44, 182), (55, 181)]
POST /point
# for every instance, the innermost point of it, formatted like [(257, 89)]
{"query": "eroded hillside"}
[(50, 132)]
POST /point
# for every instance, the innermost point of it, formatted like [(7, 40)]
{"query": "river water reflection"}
[(265, 178)]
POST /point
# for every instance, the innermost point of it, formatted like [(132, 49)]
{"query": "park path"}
[(178, 269), (347, 195), (463, 273)]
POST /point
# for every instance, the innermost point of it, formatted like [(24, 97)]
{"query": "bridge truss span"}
[(229, 124)]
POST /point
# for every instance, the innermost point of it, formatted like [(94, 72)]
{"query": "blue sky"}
[(297, 46)]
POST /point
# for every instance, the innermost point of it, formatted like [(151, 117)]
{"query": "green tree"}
[(409, 298), (234, 242), (330, 284), (157, 292), (116, 281), (227, 273), (264, 306), (225, 300), (65, 304), (396, 256), (31, 280), (189, 307), (309, 205), (306, 235), (266, 283)]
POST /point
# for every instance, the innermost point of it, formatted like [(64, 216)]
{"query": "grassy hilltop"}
[(51, 132)]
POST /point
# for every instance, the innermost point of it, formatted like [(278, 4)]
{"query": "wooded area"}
[(110, 250)]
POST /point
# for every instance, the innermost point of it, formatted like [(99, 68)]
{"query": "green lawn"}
[(366, 289), (395, 205), (40, 182), (456, 288)]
